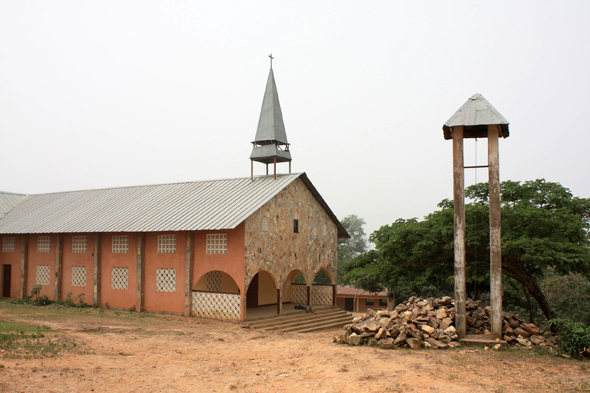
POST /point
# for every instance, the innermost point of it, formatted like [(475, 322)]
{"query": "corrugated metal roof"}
[(8, 201), (192, 206), (477, 111), (353, 291)]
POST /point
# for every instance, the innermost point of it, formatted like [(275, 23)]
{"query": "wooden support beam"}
[(140, 273), (59, 259), (97, 269), (334, 294), (24, 265), (459, 227), (188, 273), (309, 295), (495, 231)]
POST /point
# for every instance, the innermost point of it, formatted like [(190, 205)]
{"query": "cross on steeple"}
[(271, 59)]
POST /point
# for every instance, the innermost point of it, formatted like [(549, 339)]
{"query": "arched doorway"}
[(217, 295), (295, 291), (262, 295)]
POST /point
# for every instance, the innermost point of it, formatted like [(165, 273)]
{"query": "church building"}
[(217, 248)]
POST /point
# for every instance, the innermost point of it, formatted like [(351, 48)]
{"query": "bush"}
[(574, 336)]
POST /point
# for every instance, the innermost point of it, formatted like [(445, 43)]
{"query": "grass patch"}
[(24, 341)]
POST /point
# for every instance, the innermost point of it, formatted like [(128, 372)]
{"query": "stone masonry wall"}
[(279, 250)]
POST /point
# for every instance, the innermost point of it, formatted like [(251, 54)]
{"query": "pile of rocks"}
[(429, 323)]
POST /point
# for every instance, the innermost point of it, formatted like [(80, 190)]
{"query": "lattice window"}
[(166, 280), (216, 305), (120, 278), (264, 224), (321, 294), (216, 244), (43, 243), (8, 244), (78, 276), (120, 244), (214, 282), (79, 244), (299, 294), (42, 276), (167, 244)]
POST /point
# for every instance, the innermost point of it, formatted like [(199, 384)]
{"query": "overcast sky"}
[(100, 94)]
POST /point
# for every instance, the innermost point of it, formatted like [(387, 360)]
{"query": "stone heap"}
[(429, 323)]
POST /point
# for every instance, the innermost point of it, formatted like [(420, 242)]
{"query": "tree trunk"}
[(516, 270), (528, 301)]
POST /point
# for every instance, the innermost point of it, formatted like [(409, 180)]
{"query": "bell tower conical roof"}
[(270, 145), (270, 123)]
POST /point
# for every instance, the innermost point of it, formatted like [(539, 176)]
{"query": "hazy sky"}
[(100, 94)]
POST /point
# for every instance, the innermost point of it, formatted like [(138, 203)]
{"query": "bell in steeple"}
[(270, 143)]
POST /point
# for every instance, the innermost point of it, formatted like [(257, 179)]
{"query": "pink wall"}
[(157, 300), (41, 258), (71, 259), (122, 298), (232, 263)]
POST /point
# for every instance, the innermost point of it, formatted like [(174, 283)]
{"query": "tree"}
[(543, 226), (348, 249)]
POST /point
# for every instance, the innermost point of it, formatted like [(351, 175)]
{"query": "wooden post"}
[(24, 265), (140, 272), (97, 269), (309, 295), (334, 294), (495, 231), (59, 259), (279, 301), (275, 165), (459, 211), (188, 274)]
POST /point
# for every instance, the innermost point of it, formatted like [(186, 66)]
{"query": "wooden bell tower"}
[(477, 118)]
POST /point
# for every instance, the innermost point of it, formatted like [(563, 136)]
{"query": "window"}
[(264, 224), (42, 276), (214, 282), (369, 302), (383, 302), (216, 244), (8, 244), (166, 244), (120, 278), (295, 226), (78, 276), (166, 280), (43, 243), (79, 244), (120, 244)]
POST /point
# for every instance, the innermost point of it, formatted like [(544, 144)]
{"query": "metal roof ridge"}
[(154, 185)]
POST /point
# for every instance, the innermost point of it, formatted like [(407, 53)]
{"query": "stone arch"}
[(328, 273), (295, 292), (217, 281)]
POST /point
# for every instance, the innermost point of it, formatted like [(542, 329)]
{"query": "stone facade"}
[(275, 247)]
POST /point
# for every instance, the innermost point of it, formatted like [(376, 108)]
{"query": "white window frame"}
[(216, 243), (79, 244), (166, 244), (43, 244), (120, 244)]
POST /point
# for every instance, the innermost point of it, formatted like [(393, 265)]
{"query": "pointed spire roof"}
[(474, 114), (270, 123)]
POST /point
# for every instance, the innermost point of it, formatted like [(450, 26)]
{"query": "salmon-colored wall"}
[(231, 263), (122, 298), (70, 260), (360, 303), (12, 259), (41, 258), (164, 301)]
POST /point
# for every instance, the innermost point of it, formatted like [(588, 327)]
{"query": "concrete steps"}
[(321, 318)]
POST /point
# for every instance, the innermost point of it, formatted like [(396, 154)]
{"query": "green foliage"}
[(35, 290), (543, 226), (574, 336), (348, 249)]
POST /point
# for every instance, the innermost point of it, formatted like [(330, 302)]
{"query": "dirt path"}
[(174, 354)]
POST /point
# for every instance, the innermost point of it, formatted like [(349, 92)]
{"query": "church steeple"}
[(270, 144)]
